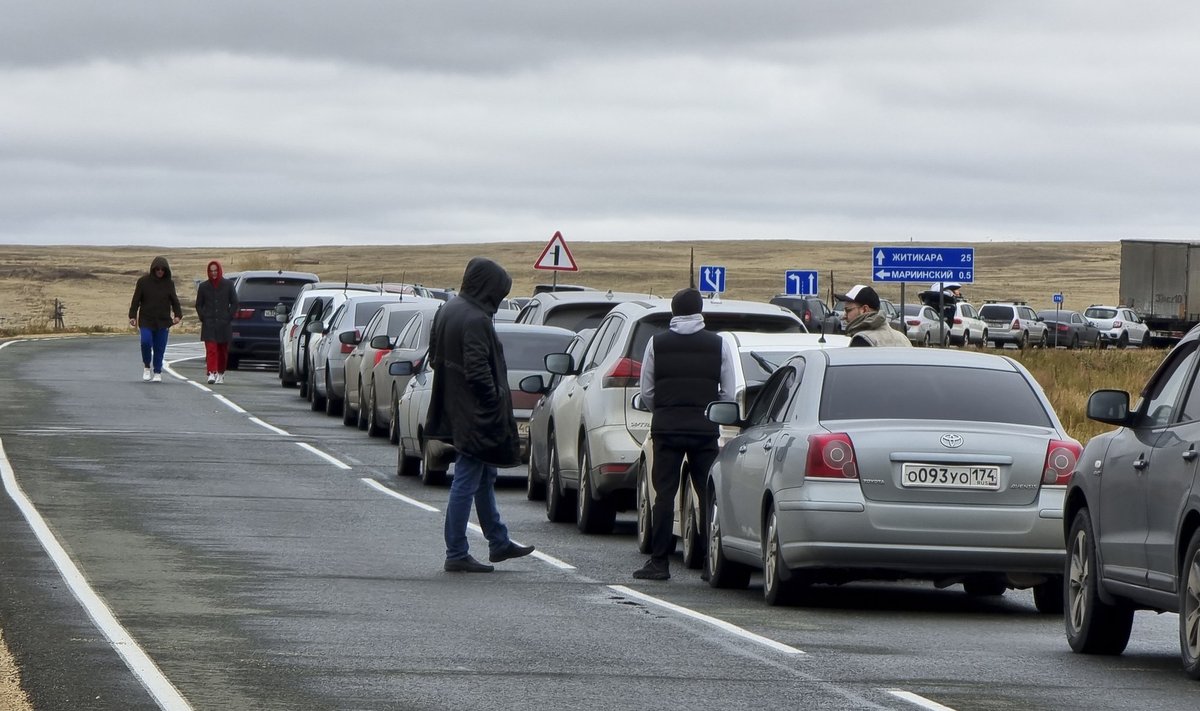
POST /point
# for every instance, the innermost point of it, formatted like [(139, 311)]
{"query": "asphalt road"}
[(228, 548)]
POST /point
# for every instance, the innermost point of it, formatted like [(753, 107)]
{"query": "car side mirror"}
[(315, 327), (401, 367), (560, 363), (381, 343), (350, 338), (724, 412), (1109, 406), (534, 384), (637, 403)]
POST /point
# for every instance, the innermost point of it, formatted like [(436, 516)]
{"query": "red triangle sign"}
[(556, 256)]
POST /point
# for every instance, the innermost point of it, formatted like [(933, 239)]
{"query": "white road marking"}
[(269, 426), (719, 624), (918, 700), (322, 455), (397, 495), (230, 404), (144, 668)]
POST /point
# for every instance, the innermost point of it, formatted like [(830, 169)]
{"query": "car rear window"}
[(577, 317), (364, 310), (273, 289), (650, 326), (1100, 313), (928, 392), (528, 351), (996, 313), (397, 320)]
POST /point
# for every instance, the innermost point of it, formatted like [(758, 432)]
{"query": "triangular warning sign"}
[(556, 256)]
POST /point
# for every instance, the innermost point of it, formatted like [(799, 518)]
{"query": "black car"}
[(1070, 329), (817, 317), (255, 329)]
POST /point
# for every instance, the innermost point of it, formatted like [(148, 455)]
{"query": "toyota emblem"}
[(952, 441)]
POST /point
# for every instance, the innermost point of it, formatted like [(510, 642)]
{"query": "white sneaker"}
[(212, 378), (146, 374), (220, 378), (156, 378)]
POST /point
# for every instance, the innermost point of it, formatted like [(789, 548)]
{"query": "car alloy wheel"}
[(1189, 609), (394, 421), (559, 507), (1093, 626), (780, 585), (644, 508), (722, 573), (592, 515)]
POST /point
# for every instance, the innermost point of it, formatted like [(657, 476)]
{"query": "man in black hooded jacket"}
[(470, 406)]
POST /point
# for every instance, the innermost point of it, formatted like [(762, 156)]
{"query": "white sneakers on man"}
[(146, 373), (212, 378), (220, 378), (156, 378)]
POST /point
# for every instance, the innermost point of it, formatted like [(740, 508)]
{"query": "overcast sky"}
[(300, 122)]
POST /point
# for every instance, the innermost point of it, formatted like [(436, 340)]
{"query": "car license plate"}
[(934, 476), (269, 313), (523, 429)]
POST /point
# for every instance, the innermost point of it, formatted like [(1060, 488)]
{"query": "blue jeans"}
[(474, 480), (154, 339)]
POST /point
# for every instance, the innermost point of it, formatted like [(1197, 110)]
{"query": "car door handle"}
[(1189, 456), (1140, 464), (767, 446), (742, 449)]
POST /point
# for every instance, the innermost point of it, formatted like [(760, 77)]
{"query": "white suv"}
[(1118, 325), (597, 435), (1014, 322), (966, 328)]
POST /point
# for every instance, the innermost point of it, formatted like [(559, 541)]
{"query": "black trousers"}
[(669, 453)]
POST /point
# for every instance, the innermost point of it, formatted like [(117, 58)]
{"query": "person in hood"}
[(864, 324), (470, 406), (216, 303), (683, 370), (153, 310)]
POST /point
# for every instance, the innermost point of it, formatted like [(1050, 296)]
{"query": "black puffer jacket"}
[(154, 298), (216, 303), (470, 404)]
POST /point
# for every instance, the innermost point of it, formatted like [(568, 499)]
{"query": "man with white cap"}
[(864, 324)]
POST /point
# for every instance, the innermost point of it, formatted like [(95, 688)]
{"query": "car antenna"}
[(346, 283)]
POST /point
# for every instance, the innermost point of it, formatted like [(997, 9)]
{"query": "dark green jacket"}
[(154, 300)]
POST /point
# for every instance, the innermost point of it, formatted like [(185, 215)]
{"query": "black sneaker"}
[(513, 551), (653, 570), (466, 565)]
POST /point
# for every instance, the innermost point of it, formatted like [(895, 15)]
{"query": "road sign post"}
[(712, 278), (556, 257), (901, 264), (800, 282)]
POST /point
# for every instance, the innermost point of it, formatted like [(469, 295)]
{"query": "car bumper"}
[(615, 454), (823, 527)]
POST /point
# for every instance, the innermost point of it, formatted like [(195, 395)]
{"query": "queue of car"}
[(836, 464)]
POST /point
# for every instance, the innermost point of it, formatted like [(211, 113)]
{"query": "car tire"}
[(926, 342), (1044, 342), (429, 475), (721, 572), (333, 405), (232, 362), (349, 416), (693, 537), (316, 400), (394, 421), (302, 381), (1075, 342), (780, 585), (560, 508), (373, 428), (966, 340), (535, 482), (1050, 597), (406, 465), (284, 380), (1123, 341), (592, 515), (1093, 626), (985, 586), (361, 414), (1022, 342), (645, 509), (1189, 609), (983, 340)]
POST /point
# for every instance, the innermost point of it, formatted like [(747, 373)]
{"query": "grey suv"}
[(1014, 322), (1132, 513)]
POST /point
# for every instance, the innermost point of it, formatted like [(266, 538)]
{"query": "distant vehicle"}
[(1070, 329), (255, 329), (1158, 284), (1132, 513), (1016, 323), (329, 356), (1119, 325), (546, 288), (309, 305), (817, 317), (575, 310), (924, 326), (825, 482)]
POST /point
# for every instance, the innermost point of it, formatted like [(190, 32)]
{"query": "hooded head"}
[(687, 302), (214, 271), (486, 283), (160, 263)]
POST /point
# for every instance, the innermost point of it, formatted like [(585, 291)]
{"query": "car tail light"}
[(913, 322), (1116, 324), (1062, 327), (957, 320), (242, 314), (625, 373), (831, 456), (379, 354), (1061, 458), (1016, 325), (292, 333), (614, 469)]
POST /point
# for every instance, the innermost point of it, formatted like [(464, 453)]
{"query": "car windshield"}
[(273, 290), (996, 313), (650, 326), (577, 317), (914, 309), (929, 392), (528, 351), (1100, 313)]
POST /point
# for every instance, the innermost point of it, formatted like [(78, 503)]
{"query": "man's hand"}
[(177, 319), (133, 322)]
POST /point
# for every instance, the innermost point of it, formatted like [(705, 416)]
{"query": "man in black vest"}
[(683, 370)]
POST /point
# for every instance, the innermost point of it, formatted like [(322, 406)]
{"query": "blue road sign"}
[(923, 264), (800, 282), (1058, 298), (712, 278)]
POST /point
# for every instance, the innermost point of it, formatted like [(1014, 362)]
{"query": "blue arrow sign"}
[(800, 282), (891, 264), (712, 278)]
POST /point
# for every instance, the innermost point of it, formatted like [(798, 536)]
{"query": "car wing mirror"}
[(637, 403), (315, 327), (560, 363), (401, 367), (381, 343), (534, 384), (724, 412), (1110, 407), (350, 338)]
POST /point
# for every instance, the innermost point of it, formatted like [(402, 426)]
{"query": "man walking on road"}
[(216, 303), (470, 406), (683, 370), (154, 309)]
